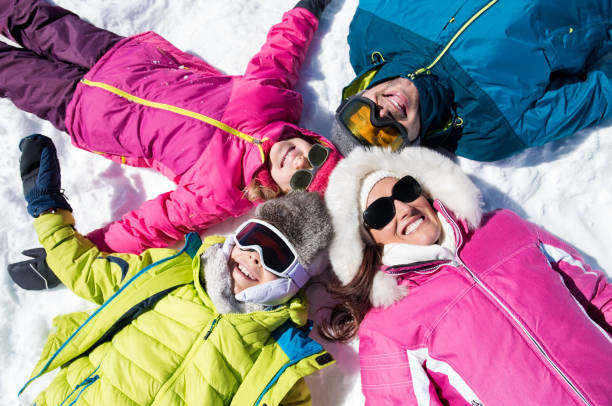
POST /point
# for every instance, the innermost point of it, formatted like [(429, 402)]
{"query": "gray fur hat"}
[(303, 219)]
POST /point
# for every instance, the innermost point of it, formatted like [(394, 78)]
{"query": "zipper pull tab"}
[(212, 326)]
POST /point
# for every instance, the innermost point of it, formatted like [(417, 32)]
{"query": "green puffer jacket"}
[(157, 339)]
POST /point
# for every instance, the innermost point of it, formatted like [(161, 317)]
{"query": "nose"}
[(383, 111), (253, 257), (301, 162), (403, 210)]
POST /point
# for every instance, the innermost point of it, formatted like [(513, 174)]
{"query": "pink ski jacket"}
[(145, 103), (515, 318)]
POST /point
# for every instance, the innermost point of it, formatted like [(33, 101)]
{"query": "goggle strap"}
[(298, 274)]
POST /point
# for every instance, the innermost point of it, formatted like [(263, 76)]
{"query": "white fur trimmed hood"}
[(439, 177)]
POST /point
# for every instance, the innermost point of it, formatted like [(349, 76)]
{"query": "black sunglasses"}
[(382, 210), (303, 178)]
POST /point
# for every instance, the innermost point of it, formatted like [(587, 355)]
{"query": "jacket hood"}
[(439, 177), (319, 183)]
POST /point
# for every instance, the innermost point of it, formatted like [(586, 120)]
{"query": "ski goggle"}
[(275, 251), (382, 210), (302, 178), (360, 117)]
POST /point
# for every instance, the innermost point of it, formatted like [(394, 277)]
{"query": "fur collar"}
[(219, 283), (439, 177)]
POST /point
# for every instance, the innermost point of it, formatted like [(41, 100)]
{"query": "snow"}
[(564, 186)]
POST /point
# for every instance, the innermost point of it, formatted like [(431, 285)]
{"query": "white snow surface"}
[(564, 186)]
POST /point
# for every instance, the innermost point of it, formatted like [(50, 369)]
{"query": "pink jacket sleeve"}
[(281, 57), (167, 218), (391, 376), (589, 286)]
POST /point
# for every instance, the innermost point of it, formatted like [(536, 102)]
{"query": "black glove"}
[(316, 7), (40, 174), (33, 274)]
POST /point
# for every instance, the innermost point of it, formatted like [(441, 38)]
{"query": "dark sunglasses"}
[(303, 178), (382, 210), (360, 116), (276, 252)]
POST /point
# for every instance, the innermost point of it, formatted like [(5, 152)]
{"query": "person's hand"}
[(33, 274), (316, 7), (40, 175)]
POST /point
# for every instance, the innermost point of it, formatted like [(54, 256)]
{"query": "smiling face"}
[(246, 270), (415, 222), (398, 98), (287, 157)]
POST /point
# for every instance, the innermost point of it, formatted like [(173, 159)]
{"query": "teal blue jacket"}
[(508, 74)]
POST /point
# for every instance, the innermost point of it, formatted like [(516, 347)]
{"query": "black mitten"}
[(40, 174), (316, 7), (33, 274)]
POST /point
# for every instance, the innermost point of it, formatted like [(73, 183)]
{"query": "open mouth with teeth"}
[(399, 103), (286, 156), (243, 270), (411, 227)]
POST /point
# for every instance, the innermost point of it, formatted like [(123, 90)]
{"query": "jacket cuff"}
[(314, 6), (53, 228)]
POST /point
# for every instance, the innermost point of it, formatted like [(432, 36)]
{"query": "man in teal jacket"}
[(483, 79)]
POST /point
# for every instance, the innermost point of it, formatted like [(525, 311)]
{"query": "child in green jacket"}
[(219, 322)]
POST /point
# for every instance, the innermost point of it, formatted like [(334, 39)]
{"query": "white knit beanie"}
[(368, 183)]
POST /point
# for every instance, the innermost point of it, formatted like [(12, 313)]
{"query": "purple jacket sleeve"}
[(281, 57), (168, 217), (589, 286)]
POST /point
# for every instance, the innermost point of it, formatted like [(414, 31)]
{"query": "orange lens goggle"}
[(359, 116)]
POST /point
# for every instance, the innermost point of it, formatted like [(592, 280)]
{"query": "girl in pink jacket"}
[(453, 306), (227, 141)]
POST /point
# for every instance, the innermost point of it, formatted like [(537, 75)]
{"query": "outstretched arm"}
[(80, 265), (281, 57), (167, 218), (563, 111), (589, 286)]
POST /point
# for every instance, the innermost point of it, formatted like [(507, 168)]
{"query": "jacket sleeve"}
[(562, 111), (80, 265), (589, 286), (281, 57), (390, 376), (298, 395), (166, 219)]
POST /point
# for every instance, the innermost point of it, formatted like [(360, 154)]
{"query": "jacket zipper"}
[(183, 112), (516, 320), (428, 68), (85, 383), (199, 341)]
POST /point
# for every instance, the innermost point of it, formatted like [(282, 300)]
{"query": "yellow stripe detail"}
[(178, 110), (360, 84), (450, 43)]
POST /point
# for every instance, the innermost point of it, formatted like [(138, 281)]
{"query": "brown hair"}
[(256, 191), (354, 299)]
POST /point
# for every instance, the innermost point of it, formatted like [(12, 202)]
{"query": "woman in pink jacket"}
[(455, 306), (227, 141)]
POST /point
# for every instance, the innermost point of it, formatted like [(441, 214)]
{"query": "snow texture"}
[(564, 186)]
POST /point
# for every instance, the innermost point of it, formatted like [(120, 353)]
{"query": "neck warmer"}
[(404, 254)]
